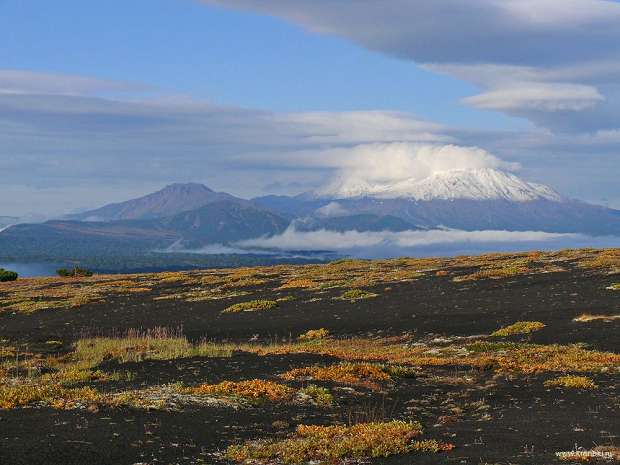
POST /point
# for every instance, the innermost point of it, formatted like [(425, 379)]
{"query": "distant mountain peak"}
[(472, 184), (171, 200), (185, 187)]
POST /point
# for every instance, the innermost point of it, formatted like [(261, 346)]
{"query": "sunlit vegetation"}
[(202, 295), (299, 284), (331, 443), (135, 346), (53, 395), (520, 327), (314, 335), (169, 397), (366, 363), (243, 282), (361, 374), (608, 259), (572, 382), (587, 317), (614, 287), (430, 446), (33, 295), (336, 379), (401, 371), (318, 395), (255, 389), (251, 306), (356, 294), (76, 375), (523, 358), (496, 272)]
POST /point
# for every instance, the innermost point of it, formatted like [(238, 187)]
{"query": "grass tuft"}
[(136, 346)]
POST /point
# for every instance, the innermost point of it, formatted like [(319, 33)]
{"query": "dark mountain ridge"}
[(566, 216), (219, 222)]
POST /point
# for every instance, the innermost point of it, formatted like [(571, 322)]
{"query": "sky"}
[(104, 101)]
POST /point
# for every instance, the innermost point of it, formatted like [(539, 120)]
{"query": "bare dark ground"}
[(501, 419)]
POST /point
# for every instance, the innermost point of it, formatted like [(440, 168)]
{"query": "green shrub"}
[(251, 306), (401, 371), (319, 395), (6, 275), (74, 272), (356, 294)]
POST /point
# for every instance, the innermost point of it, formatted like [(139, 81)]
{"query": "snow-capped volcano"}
[(471, 184)]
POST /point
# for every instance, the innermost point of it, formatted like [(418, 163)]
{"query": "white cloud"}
[(77, 144), (500, 75), (211, 249), (85, 150), (291, 239), (399, 161), (29, 82), (363, 126), (332, 209), (553, 62), (562, 14), (538, 96), (487, 31), (530, 91)]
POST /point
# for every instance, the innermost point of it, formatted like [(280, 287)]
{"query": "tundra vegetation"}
[(293, 364)]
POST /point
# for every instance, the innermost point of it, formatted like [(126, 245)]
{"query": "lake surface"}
[(29, 270)]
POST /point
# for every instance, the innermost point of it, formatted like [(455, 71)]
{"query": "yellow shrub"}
[(331, 443), (314, 334), (256, 389), (299, 284), (53, 395), (520, 327), (587, 317), (569, 381), (364, 374), (251, 306)]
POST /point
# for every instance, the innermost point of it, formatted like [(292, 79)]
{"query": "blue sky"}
[(242, 86), (228, 57)]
